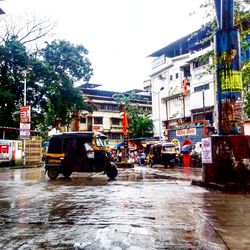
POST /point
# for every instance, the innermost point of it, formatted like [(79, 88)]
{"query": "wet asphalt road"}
[(142, 209)]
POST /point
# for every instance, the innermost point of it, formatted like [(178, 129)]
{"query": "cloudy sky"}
[(119, 34)]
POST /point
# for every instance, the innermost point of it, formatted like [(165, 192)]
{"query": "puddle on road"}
[(144, 175), (159, 173), (136, 174), (77, 180), (74, 214)]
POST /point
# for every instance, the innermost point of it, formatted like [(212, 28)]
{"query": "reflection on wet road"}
[(142, 209)]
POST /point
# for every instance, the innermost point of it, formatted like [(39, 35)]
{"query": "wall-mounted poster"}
[(206, 152)]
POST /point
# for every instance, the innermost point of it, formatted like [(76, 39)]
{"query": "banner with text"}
[(24, 130), (187, 131), (25, 113)]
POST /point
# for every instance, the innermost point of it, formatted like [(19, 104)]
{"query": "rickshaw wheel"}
[(66, 173), (53, 173), (112, 172)]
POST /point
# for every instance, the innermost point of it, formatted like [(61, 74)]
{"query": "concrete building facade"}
[(181, 85), (107, 115)]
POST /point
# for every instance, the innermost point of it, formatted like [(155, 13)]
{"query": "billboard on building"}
[(10, 150)]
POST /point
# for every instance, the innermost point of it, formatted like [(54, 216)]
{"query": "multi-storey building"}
[(107, 115), (182, 88)]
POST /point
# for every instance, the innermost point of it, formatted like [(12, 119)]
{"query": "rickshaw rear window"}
[(168, 148), (101, 142), (55, 145)]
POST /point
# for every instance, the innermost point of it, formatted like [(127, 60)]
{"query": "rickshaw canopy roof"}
[(87, 134), (168, 144), (100, 135)]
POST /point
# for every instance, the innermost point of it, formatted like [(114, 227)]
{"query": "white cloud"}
[(119, 34)]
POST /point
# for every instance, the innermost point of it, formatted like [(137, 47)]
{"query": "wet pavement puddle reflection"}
[(143, 208)]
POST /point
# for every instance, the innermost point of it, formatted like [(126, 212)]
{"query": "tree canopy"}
[(50, 74), (139, 120)]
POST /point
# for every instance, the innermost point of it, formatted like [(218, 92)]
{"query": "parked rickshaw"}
[(78, 152), (148, 152), (162, 153), (168, 154), (154, 155)]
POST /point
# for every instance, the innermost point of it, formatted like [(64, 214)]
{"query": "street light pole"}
[(24, 103), (159, 110), (24, 89), (203, 103)]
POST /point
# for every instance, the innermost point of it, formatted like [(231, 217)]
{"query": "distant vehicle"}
[(78, 152), (168, 154), (162, 153)]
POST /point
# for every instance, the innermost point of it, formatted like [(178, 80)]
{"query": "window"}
[(176, 75), (114, 136), (200, 62), (103, 106), (82, 120), (107, 106), (201, 87), (97, 120), (171, 77), (186, 71), (113, 107), (115, 121)]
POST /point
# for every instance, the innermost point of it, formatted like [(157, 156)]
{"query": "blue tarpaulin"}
[(119, 145), (46, 143)]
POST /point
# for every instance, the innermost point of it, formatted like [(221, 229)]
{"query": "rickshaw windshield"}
[(101, 142)]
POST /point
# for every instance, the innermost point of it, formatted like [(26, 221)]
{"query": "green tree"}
[(139, 120), (13, 58), (50, 75), (68, 64), (246, 84)]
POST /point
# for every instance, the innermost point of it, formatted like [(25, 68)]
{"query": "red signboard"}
[(25, 114), (5, 152), (4, 149), (187, 131)]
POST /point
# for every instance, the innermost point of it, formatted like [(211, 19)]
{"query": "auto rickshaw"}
[(154, 155), (78, 152), (162, 153), (168, 154), (148, 152)]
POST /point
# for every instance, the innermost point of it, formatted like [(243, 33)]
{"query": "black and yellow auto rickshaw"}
[(154, 155), (149, 150), (168, 154), (163, 153), (78, 152)]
